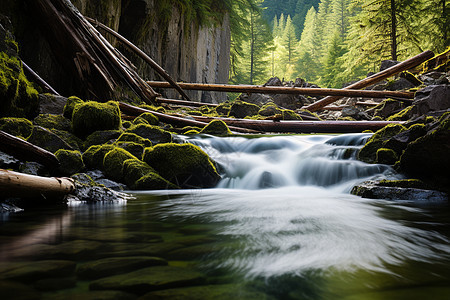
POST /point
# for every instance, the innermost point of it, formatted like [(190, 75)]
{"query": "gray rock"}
[(116, 265), (355, 113), (8, 162), (116, 186), (400, 84), (371, 189), (275, 81), (101, 137), (432, 98), (90, 193), (33, 168), (385, 64), (51, 104), (149, 279)]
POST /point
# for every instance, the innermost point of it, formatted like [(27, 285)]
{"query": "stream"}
[(281, 224)]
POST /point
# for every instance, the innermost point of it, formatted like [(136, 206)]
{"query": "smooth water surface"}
[(280, 225)]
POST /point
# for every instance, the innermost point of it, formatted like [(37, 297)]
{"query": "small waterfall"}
[(278, 161)]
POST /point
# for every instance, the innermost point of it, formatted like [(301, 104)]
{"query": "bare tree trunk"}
[(393, 30)]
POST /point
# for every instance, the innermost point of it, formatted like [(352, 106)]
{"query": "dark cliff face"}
[(186, 51)]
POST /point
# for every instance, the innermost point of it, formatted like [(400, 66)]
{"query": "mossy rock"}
[(405, 183), (403, 115), (48, 140), (194, 113), (140, 176), (70, 162), (191, 132), (188, 128), (306, 112), (18, 97), (72, 140), (217, 127), (153, 108), (50, 121), (19, 127), (241, 109), (223, 109), (155, 134), (70, 105), (101, 137), (94, 155), (185, 165), (369, 151), (386, 156), (387, 108), (269, 109), (132, 137), (113, 163), (92, 116), (134, 148), (127, 124), (146, 118), (290, 115)]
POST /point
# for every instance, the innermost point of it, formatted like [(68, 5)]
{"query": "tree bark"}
[(184, 103), (15, 184), (284, 90), (24, 150), (405, 65)]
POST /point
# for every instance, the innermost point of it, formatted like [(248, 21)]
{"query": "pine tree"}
[(437, 25), (289, 39), (331, 66)]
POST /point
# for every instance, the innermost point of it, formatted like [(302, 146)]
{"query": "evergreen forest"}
[(330, 42)]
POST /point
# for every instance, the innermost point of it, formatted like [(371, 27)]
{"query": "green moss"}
[(194, 113), (367, 131), (134, 148), (404, 183), (19, 127), (113, 163), (126, 124), (189, 128), (386, 156), (346, 119), (18, 98), (216, 127), (290, 115), (93, 157), (269, 109), (50, 121), (368, 152), (69, 138), (70, 105), (140, 176), (403, 115), (146, 118), (92, 116), (71, 162), (132, 137), (430, 119), (101, 137), (185, 165), (308, 113), (241, 109), (153, 133), (223, 109), (153, 108), (191, 132)]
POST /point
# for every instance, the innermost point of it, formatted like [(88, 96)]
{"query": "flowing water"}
[(281, 224)]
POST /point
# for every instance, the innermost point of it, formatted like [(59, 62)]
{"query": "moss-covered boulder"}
[(217, 127), (70, 105), (241, 109), (94, 155), (387, 108), (18, 97), (132, 137), (369, 151), (50, 121), (403, 115), (269, 109), (48, 140), (223, 108), (140, 176), (191, 132), (70, 162), (290, 115), (127, 124), (113, 163), (92, 116), (386, 156), (185, 165), (101, 137), (155, 134), (19, 127), (146, 118), (68, 137), (134, 148), (427, 158)]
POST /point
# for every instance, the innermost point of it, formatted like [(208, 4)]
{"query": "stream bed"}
[(281, 224)]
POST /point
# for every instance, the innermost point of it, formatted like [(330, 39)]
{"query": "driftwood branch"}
[(303, 126), (15, 184), (24, 150), (283, 90), (142, 54), (405, 65), (178, 121)]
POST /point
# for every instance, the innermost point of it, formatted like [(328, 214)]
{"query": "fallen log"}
[(24, 150), (178, 121), (142, 54), (15, 184), (303, 126), (42, 83), (337, 108), (183, 103), (283, 90), (403, 66)]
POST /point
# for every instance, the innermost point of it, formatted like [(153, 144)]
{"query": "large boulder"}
[(19, 127), (241, 109), (113, 163), (92, 116), (185, 165), (139, 175), (432, 98), (70, 161), (217, 127), (48, 140), (51, 104), (51, 121), (153, 133)]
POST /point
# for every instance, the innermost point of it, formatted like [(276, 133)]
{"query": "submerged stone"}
[(116, 265), (185, 165), (149, 279), (55, 284), (18, 291)]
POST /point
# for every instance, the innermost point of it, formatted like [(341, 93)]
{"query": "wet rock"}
[(241, 109), (101, 137), (55, 284), (8, 208), (157, 249), (288, 101), (149, 279), (399, 142), (116, 265), (33, 168), (70, 162), (432, 98), (46, 139), (184, 165), (399, 84), (153, 133), (133, 148), (18, 291), (217, 292), (115, 186), (89, 193), (373, 190), (30, 271), (51, 104), (50, 121), (191, 253), (8, 162)]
